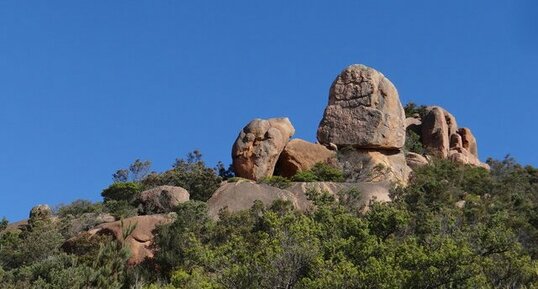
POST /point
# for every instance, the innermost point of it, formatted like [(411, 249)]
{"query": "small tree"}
[(191, 174), (137, 171)]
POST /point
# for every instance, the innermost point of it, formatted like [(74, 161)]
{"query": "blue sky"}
[(86, 87)]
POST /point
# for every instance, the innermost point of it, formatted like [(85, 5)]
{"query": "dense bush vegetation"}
[(191, 174), (452, 227)]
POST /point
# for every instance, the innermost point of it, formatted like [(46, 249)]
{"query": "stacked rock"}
[(365, 120), (442, 138), (363, 132)]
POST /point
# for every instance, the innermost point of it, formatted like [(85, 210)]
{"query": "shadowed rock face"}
[(241, 195), (258, 146), (300, 155), (468, 141), (435, 133), (442, 138), (364, 111)]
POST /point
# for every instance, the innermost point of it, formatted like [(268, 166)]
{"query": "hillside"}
[(390, 196)]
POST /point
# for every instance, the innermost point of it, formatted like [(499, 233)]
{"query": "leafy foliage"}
[(122, 192), (276, 181), (191, 174), (320, 172), (137, 171), (411, 109), (413, 143), (78, 208), (453, 226)]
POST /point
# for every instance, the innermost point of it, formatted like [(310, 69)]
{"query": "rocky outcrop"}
[(162, 199), (140, 240), (300, 155), (435, 133), (362, 165), (242, 195), (364, 111), (258, 146), (442, 138), (468, 141), (363, 131), (366, 121)]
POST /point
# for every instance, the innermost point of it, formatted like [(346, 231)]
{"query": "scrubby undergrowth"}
[(452, 227)]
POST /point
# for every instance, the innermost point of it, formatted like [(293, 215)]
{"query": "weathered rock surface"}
[(412, 121), (441, 137), (162, 199), (360, 165), (415, 160), (364, 111), (464, 157), (241, 195), (258, 146), (468, 141), (300, 155), (139, 242), (435, 133)]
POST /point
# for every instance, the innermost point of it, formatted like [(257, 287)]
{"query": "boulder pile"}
[(441, 137), (362, 132)]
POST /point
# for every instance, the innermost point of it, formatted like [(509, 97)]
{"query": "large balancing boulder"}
[(364, 111)]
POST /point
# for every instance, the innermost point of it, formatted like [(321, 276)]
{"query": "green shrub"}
[(236, 179), (320, 172), (305, 176), (276, 181), (120, 209), (411, 109), (78, 208), (413, 143), (122, 192), (3, 224), (191, 174), (327, 173)]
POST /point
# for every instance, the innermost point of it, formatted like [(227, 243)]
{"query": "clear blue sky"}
[(86, 87)]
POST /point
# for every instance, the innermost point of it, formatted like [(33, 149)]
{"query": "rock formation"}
[(362, 132), (258, 146), (162, 199), (140, 241), (415, 160), (300, 155), (366, 121), (441, 137), (369, 165), (364, 111), (241, 195)]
